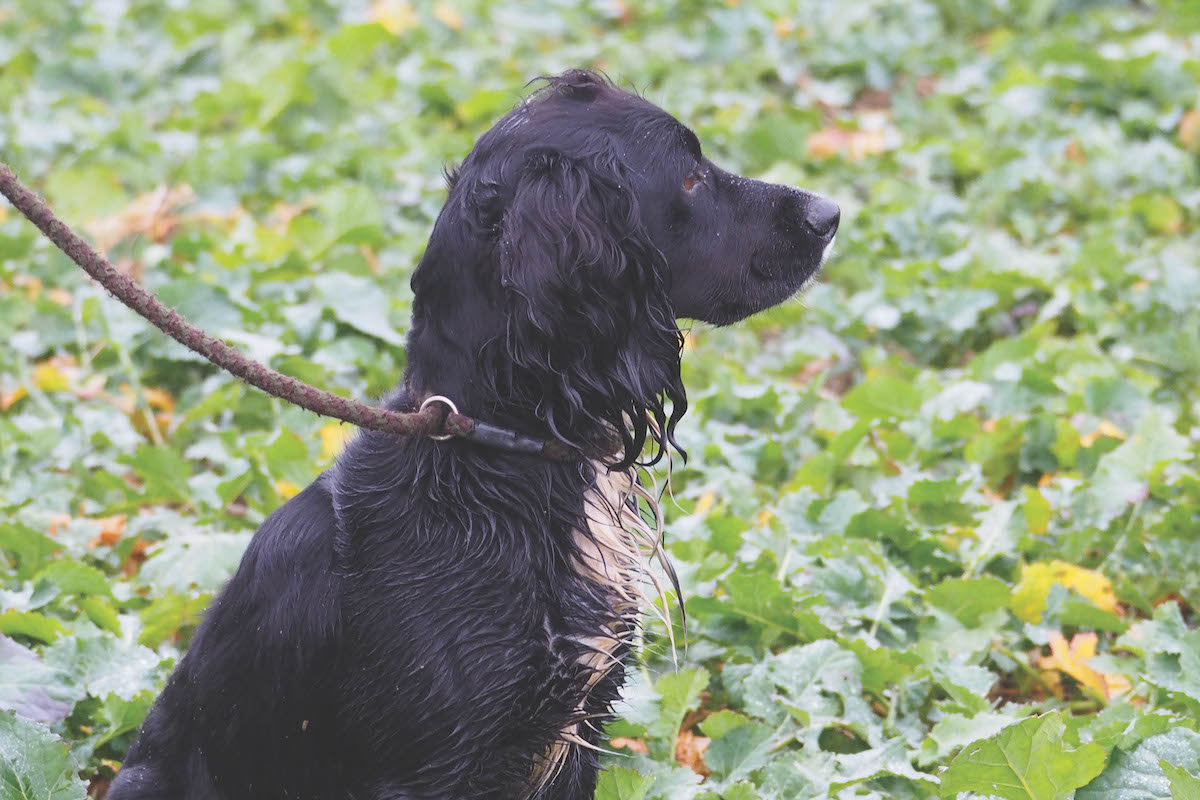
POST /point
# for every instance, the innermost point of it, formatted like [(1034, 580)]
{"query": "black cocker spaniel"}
[(438, 620)]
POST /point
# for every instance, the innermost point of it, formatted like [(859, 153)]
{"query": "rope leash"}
[(437, 418)]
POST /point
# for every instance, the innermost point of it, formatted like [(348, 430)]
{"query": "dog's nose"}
[(823, 215)]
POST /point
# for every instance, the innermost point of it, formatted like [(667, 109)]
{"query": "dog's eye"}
[(691, 181)]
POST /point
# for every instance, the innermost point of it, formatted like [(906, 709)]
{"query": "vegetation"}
[(938, 528)]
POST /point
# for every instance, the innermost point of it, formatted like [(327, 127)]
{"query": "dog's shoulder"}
[(286, 587)]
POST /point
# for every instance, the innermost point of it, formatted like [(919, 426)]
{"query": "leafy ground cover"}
[(938, 529)]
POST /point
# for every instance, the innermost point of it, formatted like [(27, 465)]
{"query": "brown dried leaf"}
[(689, 751), (57, 522), (1189, 129), (136, 556), (853, 144), (152, 215), (111, 530), (623, 743)]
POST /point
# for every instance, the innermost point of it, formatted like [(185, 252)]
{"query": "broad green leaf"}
[(679, 692), (1170, 650), (35, 764), (955, 731), (1184, 785), (738, 751), (31, 625), (74, 577), (620, 783), (1136, 774), (29, 547), (1027, 761), (969, 598), (103, 664), (32, 688), (121, 715)]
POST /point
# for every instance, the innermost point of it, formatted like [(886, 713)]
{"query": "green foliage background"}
[(973, 443)]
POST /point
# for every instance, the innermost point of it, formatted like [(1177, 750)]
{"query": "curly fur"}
[(436, 620)]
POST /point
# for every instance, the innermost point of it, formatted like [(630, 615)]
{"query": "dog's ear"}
[(572, 232), (590, 321)]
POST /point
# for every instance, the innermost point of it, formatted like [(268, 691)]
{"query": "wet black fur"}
[(406, 626)]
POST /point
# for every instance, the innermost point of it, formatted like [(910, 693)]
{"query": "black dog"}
[(443, 620)]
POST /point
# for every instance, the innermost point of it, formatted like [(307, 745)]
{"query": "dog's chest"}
[(607, 550), (610, 559)]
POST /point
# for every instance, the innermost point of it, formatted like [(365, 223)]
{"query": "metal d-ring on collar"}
[(439, 398)]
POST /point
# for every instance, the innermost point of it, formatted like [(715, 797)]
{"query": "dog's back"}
[(249, 702)]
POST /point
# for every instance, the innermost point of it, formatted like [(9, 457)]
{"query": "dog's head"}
[(580, 227)]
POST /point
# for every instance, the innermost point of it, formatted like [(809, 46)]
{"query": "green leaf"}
[(938, 503), (969, 598), (349, 213), (169, 613), (1184, 785), (101, 613), (74, 577), (30, 624), (619, 783), (1170, 651), (357, 302), (738, 750), (1121, 477), (955, 731), (1026, 761), (679, 692), (759, 600), (1136, 775), (882, 396), (194, 561), (104, 664), (119, 715), (29, 547), (32, 688), (35, 764), (163, 471)]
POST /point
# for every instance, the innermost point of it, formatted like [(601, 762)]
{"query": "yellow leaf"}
[(1029, 598), (1189, 129), (333, 439), (706, 501), (31, 285), (61, 296), (395, 15), (49, 378), (1105, 428), (9, 399), (157, 398), (448, 15), (1073, 660), (287, 490)]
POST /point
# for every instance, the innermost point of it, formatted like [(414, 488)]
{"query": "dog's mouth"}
[(793, 274), (824, 256)]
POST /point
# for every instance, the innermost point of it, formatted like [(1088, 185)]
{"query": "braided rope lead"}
[(431, 421)]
